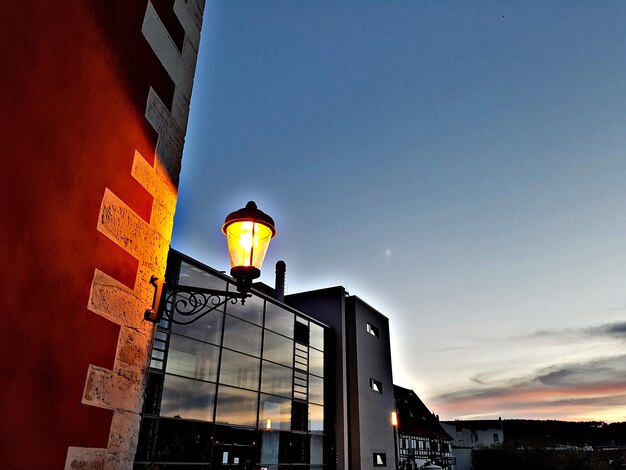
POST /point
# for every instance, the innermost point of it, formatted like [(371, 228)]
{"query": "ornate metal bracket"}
[(190, 303)]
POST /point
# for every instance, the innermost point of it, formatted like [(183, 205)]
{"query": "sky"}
[(460, 166)]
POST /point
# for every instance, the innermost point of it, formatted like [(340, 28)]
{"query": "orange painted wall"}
[(73, 82)]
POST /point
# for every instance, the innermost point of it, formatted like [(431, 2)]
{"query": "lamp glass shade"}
[(248, 233), (247, 245)]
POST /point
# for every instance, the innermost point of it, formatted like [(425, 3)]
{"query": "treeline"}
[(510, 458), (537, 433)]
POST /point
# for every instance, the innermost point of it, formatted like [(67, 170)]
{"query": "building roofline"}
[(253, 290)]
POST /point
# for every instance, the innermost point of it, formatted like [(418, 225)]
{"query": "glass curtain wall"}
[(242, 388)]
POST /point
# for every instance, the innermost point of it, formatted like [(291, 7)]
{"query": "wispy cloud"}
[(614, 330), (605, 371), (570, 390)]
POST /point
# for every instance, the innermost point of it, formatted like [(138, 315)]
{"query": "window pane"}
[(251, 310), (192, 358), (277, 410), (317, 449), (242, 336), (301, 357), (278, 349), (316, 362), (301, 330), (270, 445), (208, 328), (316, 333), (235, 406), (276, 379), (157, 354), (239, 370), (187, 398), (294, 449), (316, 390), (183, 441), (299, 416), (316, 418), (190, 275), (278, 319)]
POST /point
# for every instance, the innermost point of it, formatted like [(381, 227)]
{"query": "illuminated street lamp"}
[(248, 232), (394, 423)]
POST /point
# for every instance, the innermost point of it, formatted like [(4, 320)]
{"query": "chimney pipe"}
[(281, 268)]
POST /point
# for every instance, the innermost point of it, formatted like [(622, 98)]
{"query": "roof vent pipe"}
[(281, 269)]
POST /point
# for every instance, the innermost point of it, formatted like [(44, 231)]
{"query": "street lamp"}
[(394, 424), (248, 232)]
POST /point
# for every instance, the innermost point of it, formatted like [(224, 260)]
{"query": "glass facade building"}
[(241, 388)]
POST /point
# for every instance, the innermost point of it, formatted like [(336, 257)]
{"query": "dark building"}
[(362, 376), (269, 385), (421, 437)]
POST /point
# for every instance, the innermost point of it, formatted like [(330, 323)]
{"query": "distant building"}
[(470, 434), (304, 383), (421, 437)]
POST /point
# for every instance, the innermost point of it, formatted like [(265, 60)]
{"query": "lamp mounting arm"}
[(190, 303)]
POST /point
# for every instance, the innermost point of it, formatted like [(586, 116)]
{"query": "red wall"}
[(73, 84)]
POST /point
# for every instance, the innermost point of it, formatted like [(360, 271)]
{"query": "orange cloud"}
[(568, 392)]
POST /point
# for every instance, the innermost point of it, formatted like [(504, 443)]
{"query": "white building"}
[(468, 435)]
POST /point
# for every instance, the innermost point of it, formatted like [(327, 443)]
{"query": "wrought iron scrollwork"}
[(191, 303)]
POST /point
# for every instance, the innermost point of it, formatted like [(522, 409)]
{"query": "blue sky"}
[(459, 167)]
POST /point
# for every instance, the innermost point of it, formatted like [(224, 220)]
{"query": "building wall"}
[(463, 458), (94, 111), (369, 357), (467, 436), (471, 436), (362, 417), (328, 306)]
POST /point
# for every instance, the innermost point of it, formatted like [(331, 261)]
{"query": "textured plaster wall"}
[(95, 104)]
